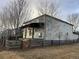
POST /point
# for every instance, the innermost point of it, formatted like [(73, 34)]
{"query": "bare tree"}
[(47, 7), (74, 19), (18, 10), (14, 12)]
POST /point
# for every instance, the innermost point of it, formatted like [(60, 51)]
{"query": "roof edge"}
[(49, 16)]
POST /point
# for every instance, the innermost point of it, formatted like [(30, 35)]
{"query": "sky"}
[(69, 6), (66, 6), (3, 3)]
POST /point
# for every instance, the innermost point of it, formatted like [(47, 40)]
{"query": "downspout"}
[(44, 31)]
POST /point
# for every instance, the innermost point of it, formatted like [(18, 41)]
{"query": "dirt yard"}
[(54, 52)]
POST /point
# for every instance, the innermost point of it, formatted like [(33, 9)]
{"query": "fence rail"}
[(13, 43)]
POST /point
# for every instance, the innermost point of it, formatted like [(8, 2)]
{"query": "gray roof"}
[(49, 16)]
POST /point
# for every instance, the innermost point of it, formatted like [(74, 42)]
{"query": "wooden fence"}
[(13, 44)]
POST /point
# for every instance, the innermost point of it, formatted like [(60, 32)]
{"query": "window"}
[(30, 32), (67, 33), (25, 33), (40, 34), (36, 29)]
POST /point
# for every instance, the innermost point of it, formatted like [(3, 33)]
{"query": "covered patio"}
[(33, 34), (33, 31)]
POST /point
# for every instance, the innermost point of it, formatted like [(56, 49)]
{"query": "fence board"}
[(13, 43)]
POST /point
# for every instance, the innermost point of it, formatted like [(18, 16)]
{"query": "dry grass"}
[(55, 52)]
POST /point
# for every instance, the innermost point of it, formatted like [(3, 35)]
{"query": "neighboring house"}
[(49, 30)]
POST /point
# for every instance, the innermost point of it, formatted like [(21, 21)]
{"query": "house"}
[(47, 30)]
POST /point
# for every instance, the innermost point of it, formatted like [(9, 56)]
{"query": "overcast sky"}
[(66, 6), (3, 3), (69, 6)]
